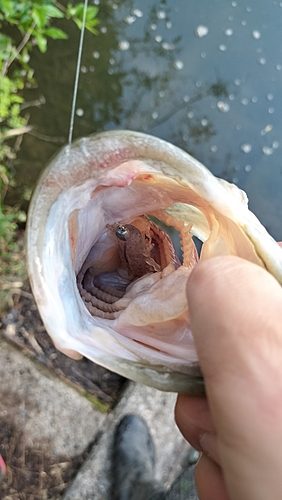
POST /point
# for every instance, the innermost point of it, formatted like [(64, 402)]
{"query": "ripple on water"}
[(168, 46), (161, 14), (267, 150), (246, 148), (137, 13), (201, 31), (123, 45), (266, 129), (256, 34), (130, 19), (244, 101), (224, 107), (178, 64)]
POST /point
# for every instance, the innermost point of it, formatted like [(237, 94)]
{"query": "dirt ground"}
[(22, 326), (31, 473)]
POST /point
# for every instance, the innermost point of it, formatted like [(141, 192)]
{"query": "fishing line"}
[(78, 63)]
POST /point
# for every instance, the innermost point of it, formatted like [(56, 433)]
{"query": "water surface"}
[(204, 75)]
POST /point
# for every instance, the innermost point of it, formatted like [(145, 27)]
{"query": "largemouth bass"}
[(104, 272)]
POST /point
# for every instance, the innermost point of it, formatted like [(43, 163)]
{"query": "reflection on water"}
[(203, 75)]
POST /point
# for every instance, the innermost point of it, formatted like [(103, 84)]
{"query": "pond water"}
[(203, 75)]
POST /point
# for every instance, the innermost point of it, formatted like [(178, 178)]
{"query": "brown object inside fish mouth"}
[(141, 247)]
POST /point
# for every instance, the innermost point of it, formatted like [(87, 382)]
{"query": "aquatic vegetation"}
[(33, 23)]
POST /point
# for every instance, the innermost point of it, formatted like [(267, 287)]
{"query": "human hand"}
[(236, 317)]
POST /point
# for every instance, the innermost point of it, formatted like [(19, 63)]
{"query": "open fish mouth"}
[(104, 272)]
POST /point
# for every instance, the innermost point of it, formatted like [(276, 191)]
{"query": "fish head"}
[(107, 280)]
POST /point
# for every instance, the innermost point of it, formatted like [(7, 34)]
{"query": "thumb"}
[(236, 318)]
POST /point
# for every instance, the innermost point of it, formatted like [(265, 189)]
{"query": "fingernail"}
[(208, 442)]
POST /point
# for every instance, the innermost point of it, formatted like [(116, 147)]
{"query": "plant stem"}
[(18, 50)]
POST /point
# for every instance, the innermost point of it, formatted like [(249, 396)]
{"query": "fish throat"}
[(139, 249)]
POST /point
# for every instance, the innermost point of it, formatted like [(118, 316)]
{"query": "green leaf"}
[(78, 10), (51, 11), (76, 13), (91, 13), (5, 41), (24, 21), (7, 6), (70, 11), (55, 33), (17, 98), (39, 17), (78, 22), (41, 41), (91, 29), (92, 22)]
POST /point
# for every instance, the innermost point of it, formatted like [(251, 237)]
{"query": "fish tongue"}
[(149, 303)]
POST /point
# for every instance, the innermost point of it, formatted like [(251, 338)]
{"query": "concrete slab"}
[(53, 416), (157, 408), (62, 423)]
